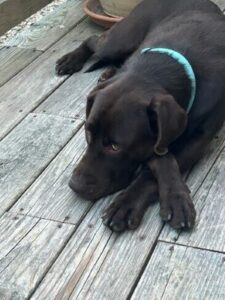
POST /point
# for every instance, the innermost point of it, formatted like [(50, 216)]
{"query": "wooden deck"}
[(53, 245)]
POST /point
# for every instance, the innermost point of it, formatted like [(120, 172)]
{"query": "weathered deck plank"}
[(75, 89), (95, 250), (32, 85), (74, 92), (178, 272), (50, 28), (50, 196), (220, 3), (13, 60), (28, 248), (209, 232), (202, 168), (26, 151)]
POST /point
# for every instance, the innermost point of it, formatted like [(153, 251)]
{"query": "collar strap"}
[(186, 65)]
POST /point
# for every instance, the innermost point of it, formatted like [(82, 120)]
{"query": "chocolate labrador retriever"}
[(155, 110)]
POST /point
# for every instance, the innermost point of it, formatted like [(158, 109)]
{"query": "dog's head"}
[(123, 130)]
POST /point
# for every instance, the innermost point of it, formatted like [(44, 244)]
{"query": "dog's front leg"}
[(176, 206), (129, 207)]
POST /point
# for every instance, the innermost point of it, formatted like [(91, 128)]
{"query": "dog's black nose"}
[(74, 185), (77, 183), (84, 186)]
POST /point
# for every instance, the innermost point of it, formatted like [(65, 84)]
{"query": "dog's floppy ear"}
[(170, 121)]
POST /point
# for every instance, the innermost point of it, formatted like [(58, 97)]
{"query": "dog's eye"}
[(110, 146), (114, 147)]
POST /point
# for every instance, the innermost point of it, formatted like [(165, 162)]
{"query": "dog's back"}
[(144, 18)]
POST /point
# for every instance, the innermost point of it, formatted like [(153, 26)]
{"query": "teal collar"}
[(186, 65)]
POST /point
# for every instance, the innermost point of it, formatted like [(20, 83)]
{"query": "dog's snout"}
[(83, 185), (75, 183)]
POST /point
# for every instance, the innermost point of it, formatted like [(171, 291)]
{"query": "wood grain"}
[(220, 3), (32, 85), (27, 150), (89, 266), (50, 28), (13, 60), (50, 196), (28, 248), (74, 93), (202, 168), (177, 272), (74, 90)]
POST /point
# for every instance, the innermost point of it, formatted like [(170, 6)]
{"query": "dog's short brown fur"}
[(136, 116)]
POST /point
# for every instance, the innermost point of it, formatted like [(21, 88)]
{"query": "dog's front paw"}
[(107, 74), (178, 210), (123, 214), (68, 64)]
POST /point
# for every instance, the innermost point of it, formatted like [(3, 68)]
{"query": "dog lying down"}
[(156, 108)]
